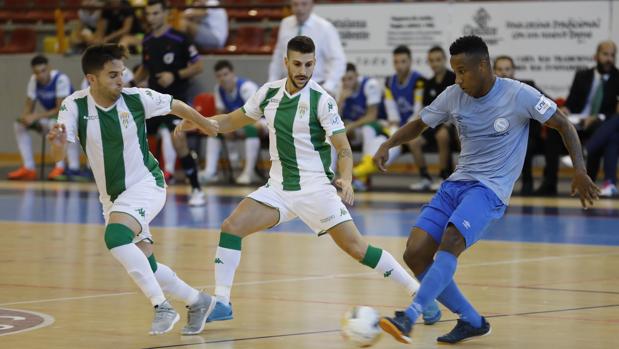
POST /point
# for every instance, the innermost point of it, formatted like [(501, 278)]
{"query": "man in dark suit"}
[(541, 140), (594, 96)]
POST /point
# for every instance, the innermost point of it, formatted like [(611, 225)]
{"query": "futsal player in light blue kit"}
[(492, 117)]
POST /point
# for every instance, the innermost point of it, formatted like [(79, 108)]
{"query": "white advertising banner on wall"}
[(369, 32), (549, 40)]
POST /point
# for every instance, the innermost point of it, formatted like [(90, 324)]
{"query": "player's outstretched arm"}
[(185, 112), (581, 182), (405, 134), (344, 166), (227, 122)]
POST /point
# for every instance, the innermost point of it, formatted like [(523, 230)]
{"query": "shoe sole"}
[(178, 317), (467, 339), (210, 309), (223, 318), (388, 327)]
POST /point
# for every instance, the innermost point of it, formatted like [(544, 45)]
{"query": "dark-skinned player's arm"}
[(404, 134), (581, 182)]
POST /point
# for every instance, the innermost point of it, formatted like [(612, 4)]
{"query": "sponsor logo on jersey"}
[(543, 105), (501, 125)]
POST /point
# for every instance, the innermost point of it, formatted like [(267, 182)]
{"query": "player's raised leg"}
[(248, 217), (347, 237)]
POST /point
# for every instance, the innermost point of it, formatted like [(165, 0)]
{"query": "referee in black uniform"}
[(169, 60)]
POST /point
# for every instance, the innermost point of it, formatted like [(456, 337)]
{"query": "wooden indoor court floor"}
[(292, 288)]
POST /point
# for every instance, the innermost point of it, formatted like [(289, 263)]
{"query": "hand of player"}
[(165, 78), (587, 190), (184, 126), (208, 126), (347, 194), (381, 157), (58, 135)]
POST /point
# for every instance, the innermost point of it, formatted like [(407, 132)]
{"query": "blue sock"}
[(453, 299), (438, 276)]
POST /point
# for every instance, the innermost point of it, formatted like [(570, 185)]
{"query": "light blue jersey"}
[(493, 130)]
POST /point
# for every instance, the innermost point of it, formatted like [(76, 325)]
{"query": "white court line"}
[(323, 277)]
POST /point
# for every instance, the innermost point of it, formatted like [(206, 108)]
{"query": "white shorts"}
[(142, 201), (319, 207)]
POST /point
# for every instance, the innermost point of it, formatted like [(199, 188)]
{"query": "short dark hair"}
[(38, 60), (351, 67), (301, 44), (470, 45), (402, 49), (504, 57), (437, 49), (95, 57), (222, 64), (163, 3)]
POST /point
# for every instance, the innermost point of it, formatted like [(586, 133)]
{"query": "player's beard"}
[(294, 83)]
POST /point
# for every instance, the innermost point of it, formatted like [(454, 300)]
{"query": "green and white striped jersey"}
[(299, 125), (114, 138)]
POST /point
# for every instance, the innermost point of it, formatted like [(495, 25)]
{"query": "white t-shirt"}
[(299, 127), (114, 138)]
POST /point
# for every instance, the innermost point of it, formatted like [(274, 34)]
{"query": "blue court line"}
[(520, 224)]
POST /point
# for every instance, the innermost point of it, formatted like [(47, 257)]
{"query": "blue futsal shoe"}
[(221, 312), (431, 314), (464, 331), (399, 326)]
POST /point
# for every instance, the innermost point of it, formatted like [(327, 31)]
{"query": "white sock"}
[(60, 164), (369, 143), (174, 286), (136, 264), (167, 148), (213, 148), (391, 269), (226, 262), (73, 156), (24, 143), (252, 149)]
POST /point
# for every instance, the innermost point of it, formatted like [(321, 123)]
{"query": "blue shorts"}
[(469, 205)]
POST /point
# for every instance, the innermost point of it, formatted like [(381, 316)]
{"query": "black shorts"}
[(428, 135), (153, 124)]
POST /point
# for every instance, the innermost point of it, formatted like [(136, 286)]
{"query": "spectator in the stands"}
[(84, 29), (593, 104), (208, 28), (118, 23), (330, 58)]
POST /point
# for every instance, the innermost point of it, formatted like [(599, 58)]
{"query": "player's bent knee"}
[(232, 226), (417, 259), (117, 235), (453, 241)]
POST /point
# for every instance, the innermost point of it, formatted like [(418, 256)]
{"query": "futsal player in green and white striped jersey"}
[(109, 123), (302, 119)]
